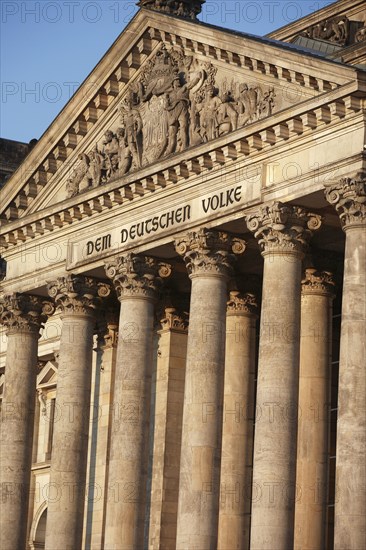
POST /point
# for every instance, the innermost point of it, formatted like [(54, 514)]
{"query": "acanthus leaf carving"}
[(24, 312), (77, 294), (174, 319), (135, 275), (349, 199), (242, 303), (283, 229), (318, 282), (209, 252), (175, 104)]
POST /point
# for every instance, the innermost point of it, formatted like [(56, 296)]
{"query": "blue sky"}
[(49, 47)]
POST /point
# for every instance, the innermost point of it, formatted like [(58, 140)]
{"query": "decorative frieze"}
[(318, 282), (77, 294), (242, 303), (24, 312), (349, 199), (137, 275), (209, 252), (283, 229)]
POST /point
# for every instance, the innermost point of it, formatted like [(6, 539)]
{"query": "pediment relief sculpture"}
[(178, 102)]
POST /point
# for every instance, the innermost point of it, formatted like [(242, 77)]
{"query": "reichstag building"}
[(182, 298)]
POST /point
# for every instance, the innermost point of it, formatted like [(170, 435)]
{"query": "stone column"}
[(314, 408), (137, 279), (349, 199), (106, 351), (22, 315), (169, 393), (282, 232), (76, 297), (238, 420), (208, 257)]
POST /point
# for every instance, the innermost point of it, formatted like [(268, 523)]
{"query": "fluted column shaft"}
[(238, 417), (313, 416), (208, 258), (76, 298), (22, 316), (282, 232), (136, 279), (349, 199)]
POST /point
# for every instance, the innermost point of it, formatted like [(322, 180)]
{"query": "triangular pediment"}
[(166, 85), (47, 377)]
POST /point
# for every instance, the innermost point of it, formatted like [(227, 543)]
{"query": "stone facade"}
[(183, 296)]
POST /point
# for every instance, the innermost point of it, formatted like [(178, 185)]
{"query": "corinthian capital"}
[(136, 275), (349, 199), (76, 294), (318, 282), (283, 229), (208, 252), (23, 312), (174, 320), (242, 303)]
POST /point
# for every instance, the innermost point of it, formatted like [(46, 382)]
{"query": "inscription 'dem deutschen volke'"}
[(166, 220)]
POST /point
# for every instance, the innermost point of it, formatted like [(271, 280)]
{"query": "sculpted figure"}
[(177, 103), (78, 180), (247, 104), (196, 77), (334, 30), (124, 153), (131, 120), (110, 150), (208, 111), (95, 167), (227, 116), (267, 104)]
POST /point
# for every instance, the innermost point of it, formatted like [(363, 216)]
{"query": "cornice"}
[(134, 46)]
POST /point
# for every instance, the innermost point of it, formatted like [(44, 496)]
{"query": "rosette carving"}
[(242, 303), (349, 199), (137, 275), (318, 282), (174, 319), (77, 294), (23, 312), (283, 229), (209, 252)]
